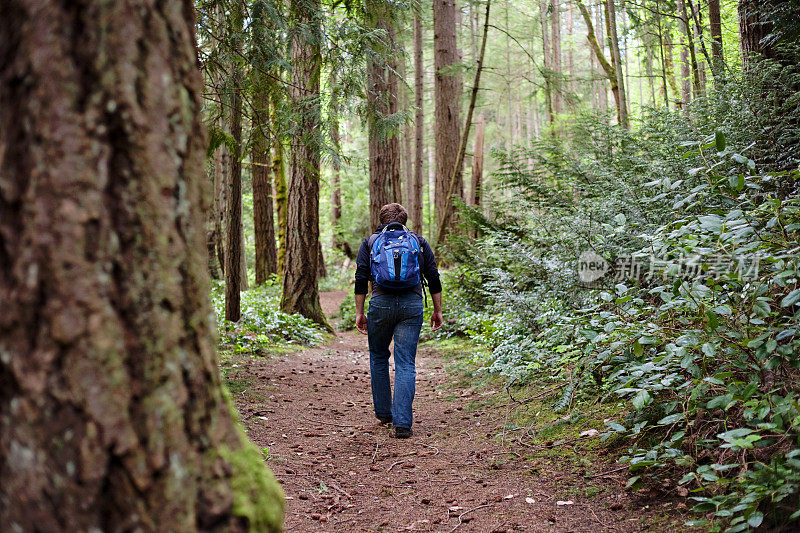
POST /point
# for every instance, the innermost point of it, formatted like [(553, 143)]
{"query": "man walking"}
[(395, 260)]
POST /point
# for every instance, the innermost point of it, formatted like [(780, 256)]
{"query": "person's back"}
[(395, 310)]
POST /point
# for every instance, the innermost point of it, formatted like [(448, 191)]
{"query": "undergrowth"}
[(262, 325), (701, 343)]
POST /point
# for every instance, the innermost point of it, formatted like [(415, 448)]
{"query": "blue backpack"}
[(395, 259)]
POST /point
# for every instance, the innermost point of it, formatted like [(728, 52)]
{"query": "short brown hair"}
[(393, 213)]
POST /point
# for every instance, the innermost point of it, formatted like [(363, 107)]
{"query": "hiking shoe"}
[(403, 433), (385, 419)]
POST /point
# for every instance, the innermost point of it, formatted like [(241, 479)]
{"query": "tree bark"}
[(455, 174), (555, 20), (715, 23), (608, 68), (547, 63), (233, 211), (477, 164), (300, 287), (447, 102), (384, 144), (263, 218), (602, 93), (113, 415), (621, 96), (753, 28), (686, 26), (415, 194), (279, 176)]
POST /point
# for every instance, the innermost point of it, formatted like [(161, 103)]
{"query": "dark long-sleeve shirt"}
[(427, 266)]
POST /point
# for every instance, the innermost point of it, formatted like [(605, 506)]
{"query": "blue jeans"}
[(398, 316)]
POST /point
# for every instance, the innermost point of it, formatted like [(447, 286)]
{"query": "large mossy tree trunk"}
[(113, 416), (300, 287)]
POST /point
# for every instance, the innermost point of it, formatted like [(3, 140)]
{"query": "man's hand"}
[(361, 323), (436, 316), (436, 320)]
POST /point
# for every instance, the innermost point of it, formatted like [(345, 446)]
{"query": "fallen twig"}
[(460, 521), (395, 464)]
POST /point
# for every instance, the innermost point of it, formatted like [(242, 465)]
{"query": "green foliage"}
[(708, 362), (262, 324)]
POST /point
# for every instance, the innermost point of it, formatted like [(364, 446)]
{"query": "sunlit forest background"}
[(660, 129)]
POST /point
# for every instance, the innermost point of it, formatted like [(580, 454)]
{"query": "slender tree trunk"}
[(686, 26), (686, 83), (336, 187), (621, 96), (556, 56), (447, 96), (112, 410), (697, 17), (570, 51), (477, 163), (281, 211), (300, 288), (670, 67), (715, 23), (221, 159), (233, 211), (602, 92), (661, 52), (263, 218), (415, 193), (608, 68), (547, 64)]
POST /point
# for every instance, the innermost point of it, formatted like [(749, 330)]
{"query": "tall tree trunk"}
[(112, 410), (221, 159), (570, 51), (555, 19), (281, 211), (233, 211), (686, 69), (620, 95), (697, 17), (300, 287), (384, 146), (663, 61), (336, 187), (455, 174), (477, 164), (754, 27), (602, 92), (263, 219), (447, 96), (670, 67), (715, 23), (608, 68), (686, 26), (547, 63), (415, 194)]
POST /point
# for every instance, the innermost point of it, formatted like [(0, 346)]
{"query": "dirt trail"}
[(342, 471)]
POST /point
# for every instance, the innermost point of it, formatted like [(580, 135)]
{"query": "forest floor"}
[(310, 412)]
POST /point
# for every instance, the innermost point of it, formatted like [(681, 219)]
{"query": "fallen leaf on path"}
[(590, 433)]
